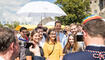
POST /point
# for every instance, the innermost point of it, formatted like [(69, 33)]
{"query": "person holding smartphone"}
[(35, 52)]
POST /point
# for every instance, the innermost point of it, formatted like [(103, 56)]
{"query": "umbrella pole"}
[(41, 19)]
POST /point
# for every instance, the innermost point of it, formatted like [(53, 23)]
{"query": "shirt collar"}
[(50, 42), (96, 45), (1, 58)]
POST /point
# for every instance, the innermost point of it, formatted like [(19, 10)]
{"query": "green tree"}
[(76, 10), (8, 25), (1, 25), (15, 24)]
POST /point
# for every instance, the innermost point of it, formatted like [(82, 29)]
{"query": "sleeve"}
[(64, 58), (60, 50), (45, 50), (64, 41), (28, 53)]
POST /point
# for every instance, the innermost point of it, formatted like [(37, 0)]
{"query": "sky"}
[(8, 9), (45, 0)]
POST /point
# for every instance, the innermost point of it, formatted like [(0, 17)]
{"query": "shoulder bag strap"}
[(52, 50)]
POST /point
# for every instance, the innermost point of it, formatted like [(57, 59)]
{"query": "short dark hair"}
[(23, 28), (45, 29), (95, 27), (7, 36), (38, 28), (57, 22)]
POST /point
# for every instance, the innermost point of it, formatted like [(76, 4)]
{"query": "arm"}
[(61, 57), (35, 50), (17, 58)]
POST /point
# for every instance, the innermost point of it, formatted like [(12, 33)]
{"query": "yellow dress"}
[(57, 52)]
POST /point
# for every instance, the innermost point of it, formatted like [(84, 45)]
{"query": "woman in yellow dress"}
[(52, 49)]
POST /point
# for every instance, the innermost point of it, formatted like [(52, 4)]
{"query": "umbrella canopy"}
[(52, 23), (42, 9)]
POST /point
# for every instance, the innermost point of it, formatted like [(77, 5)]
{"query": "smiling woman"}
[(52, 48), (72, 45), (35, 52)]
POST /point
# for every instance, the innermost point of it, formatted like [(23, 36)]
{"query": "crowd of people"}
[(56, 43), (49, 43)]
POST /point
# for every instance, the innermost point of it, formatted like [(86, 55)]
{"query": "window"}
[(95, 1), (101, 4), (90, 2), (95, 11)]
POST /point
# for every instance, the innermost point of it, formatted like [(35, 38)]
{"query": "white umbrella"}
[(42, 9), (52, 23), (103, 19)]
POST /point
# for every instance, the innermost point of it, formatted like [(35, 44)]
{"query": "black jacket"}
[(28, 53)]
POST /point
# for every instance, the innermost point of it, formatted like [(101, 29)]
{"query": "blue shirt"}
[(61, 37)]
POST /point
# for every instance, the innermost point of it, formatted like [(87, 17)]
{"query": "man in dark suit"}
[(94, 37)]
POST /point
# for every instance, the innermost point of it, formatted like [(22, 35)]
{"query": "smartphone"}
[(79, 37), (29, 44)]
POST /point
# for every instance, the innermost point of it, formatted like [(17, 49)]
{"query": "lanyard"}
[(22, 39)]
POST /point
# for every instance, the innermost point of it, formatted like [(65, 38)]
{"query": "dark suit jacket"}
[(90, 53)]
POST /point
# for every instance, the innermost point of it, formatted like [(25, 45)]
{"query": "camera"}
[(29, 44)]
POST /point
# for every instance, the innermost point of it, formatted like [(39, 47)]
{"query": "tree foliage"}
[(76, 10), (15, 24), (1, 25)]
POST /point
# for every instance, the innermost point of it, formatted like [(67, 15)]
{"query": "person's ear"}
[(11, 46), (84, 33), (49, 35)]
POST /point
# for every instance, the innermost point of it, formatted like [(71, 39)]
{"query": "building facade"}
[(98, 7)]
